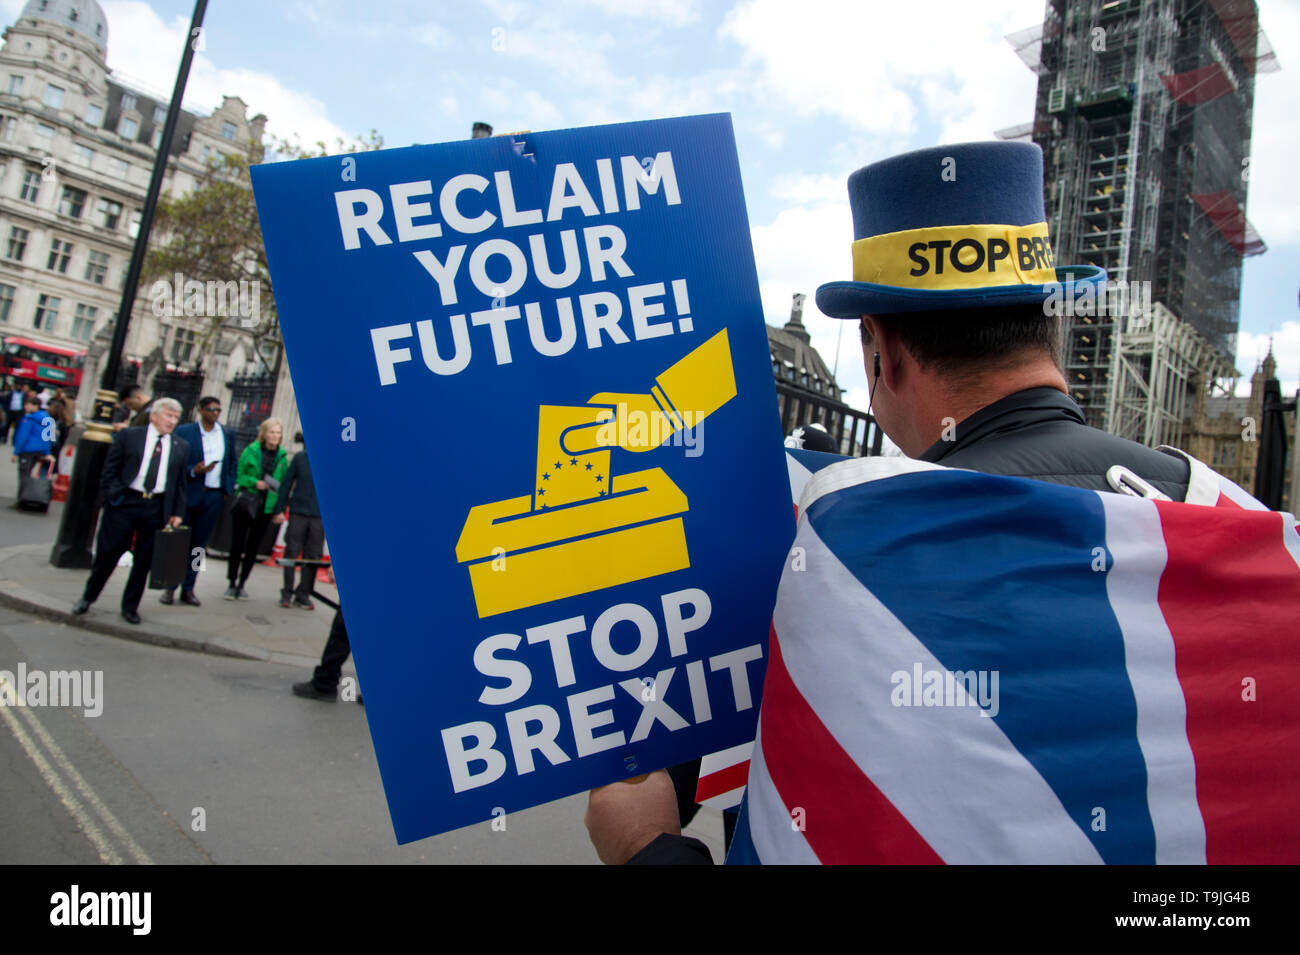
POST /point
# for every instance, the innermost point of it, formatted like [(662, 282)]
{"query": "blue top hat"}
[(948, 228)]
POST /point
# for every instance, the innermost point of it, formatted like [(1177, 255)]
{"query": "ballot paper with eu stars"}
[(534, 377)]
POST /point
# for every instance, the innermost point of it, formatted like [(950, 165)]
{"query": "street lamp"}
[(72, 548)]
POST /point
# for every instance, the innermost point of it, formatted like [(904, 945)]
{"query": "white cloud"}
[(889, 68), (433, 35), (1274, 202), (802, 248), (145, 49), (671, 13), (804, 188)]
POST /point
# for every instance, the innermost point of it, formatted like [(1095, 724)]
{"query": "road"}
[(278, 779)]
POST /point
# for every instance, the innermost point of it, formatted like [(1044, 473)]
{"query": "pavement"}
[(254, 629)]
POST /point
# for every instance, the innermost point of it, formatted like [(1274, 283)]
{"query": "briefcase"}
[(171, 555), (36, 490)]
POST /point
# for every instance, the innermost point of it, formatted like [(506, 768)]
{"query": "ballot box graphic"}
[(595, 530), (535, 382)]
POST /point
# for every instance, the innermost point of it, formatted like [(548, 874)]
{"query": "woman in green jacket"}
[(261, 468)]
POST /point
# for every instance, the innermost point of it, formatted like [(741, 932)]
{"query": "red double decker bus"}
[(31, 361)]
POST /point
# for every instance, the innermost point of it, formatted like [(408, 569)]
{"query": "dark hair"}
[(208, 400), (969, 341), (131, 390)]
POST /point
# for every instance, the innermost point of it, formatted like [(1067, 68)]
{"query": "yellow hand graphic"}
[(638, 424), (684, 395)]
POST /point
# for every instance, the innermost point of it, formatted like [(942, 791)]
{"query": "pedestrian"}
[(143, 485), (963, 370), (261, 469), (14, 406), (59, 411), (134, 400), (33, 438), (324, 683), (6, 394), (211, 480), (306, 533)]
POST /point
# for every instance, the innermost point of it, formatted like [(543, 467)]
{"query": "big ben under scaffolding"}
[(1143, 113)]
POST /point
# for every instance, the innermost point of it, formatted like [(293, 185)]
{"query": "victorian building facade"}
[(77, 149)]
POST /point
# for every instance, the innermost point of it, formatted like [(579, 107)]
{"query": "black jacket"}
[(1041, 434), (123, 464), (297, 490)]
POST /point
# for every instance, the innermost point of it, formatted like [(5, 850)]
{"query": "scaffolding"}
[(1144, 117), (1160, 365)]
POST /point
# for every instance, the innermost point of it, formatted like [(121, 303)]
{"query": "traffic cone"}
[(278, 550), (325, 575), (62, 478)]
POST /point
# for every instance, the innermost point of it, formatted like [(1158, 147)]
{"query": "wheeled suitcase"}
[(36, 489)]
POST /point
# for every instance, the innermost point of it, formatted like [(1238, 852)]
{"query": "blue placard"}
[(535, 382)]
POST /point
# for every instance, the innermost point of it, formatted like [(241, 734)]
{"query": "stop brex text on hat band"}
[(951, 227)]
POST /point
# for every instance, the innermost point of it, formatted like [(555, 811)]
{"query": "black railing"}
[(251, 397), (185, 386), (855, 432)]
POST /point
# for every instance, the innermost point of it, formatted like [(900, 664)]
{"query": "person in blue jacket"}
[(211, 480), (32, 438)]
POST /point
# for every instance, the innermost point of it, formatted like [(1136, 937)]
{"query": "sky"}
[(816, 89)]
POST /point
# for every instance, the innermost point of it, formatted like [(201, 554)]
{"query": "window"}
[(60, 254), (207, 154), (73, 202), (97, 267), (119, 167), (156, 139), (53, 96), (17, 246), (83, 322), (45, 131), (31, 186), (182, 345), (15, 85), (227, 130), (85, 155), (128, 127), (129, 101), (110, 213), (6, 301), (159, 115), (8, 126), (94, 114), (47, 312)]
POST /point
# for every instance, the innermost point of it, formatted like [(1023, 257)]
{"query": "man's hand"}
[(278, 519), (261, 485), (624, 818), (174, 522)]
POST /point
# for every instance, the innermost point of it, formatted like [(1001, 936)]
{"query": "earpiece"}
[(876, 359)]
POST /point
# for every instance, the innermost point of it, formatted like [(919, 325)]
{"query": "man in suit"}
[(143, 483), (210, 471)]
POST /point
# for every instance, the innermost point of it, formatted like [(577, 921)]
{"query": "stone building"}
[(77, 149), (1224, 433), (806, 390)]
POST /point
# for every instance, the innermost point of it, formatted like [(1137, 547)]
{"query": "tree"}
[(212, 234)]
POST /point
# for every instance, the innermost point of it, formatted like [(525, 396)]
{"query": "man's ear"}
[(885, 344)]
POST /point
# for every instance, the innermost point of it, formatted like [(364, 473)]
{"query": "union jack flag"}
[(967, 668)]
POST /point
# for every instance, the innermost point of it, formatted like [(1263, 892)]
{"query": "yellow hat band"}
[(956, 257)]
